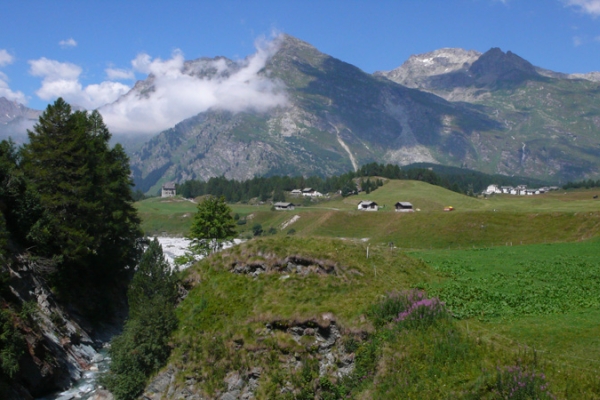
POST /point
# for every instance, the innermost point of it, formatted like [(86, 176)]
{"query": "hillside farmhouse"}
[(367, 205), (404, 206), (168, 190), (283, 206)]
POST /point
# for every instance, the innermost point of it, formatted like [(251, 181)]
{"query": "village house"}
[(296, 192), (310, 192), (491, 189), (283, 206), (367, 205), (404, 206), (168, 190)]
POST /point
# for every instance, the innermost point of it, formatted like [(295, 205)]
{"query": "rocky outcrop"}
[(61, 345), (292, 264), (321, 339)]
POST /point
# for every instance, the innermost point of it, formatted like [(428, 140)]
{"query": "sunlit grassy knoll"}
[(308, 296), (225, 309)]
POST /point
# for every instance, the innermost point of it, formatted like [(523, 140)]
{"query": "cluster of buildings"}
[(520, 190), (306, 192), (401, 206)]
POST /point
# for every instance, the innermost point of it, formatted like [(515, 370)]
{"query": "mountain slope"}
[(336, 118), (551, 120)]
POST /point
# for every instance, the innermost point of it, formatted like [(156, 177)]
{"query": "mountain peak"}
[(421, 66), (497, 66)]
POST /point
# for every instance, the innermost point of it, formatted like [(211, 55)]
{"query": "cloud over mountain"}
[(61, 79), (5, 59), (177, 91)]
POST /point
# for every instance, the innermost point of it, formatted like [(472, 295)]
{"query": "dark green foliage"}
[(456, 179), (12, 345), (18, 201), (85, 217), (587, 184), (257, 229), (212, 225), (143, 347)]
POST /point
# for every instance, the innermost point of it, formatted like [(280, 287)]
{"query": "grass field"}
[(519, 275), (544, 296)]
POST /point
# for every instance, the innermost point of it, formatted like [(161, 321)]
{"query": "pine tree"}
[(88, 223)]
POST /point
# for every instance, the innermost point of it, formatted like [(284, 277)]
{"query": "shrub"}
[(409, 309), (516, 382), (421, 311)]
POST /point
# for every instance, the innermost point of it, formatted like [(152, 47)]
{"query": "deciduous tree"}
[(212, 225)]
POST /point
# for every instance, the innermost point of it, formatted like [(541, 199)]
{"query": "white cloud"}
[(5, 58), (591, 7), (62, 80), (9, 94), (5, 91), (577, 41), (181, 90), (67, 43), (117, 74)]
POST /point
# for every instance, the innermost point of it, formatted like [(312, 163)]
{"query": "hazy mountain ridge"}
[(15, 119)]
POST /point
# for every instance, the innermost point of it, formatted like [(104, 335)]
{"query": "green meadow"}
[(519, 278)]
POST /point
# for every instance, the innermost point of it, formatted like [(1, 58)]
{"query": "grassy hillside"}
[(502, 219), (308, 315)]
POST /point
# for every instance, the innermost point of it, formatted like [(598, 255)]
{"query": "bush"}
[(517, 382), (409, 309), (257, 229)]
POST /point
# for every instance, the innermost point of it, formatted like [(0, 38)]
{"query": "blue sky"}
[(85, 49)]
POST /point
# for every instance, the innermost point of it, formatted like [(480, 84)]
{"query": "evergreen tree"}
[(212, 225), (88, 223), (143, 347)]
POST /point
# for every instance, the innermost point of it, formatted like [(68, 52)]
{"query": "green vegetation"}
[(212, 225), (143, 347), (86, 220), (66, 208), (511, 308)]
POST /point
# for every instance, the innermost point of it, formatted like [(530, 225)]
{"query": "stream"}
[(85, 387)]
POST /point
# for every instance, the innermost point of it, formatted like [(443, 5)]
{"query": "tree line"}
[(585, 184), (273, 187)]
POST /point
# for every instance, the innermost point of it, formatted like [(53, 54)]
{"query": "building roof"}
[(367, 203), (169, 186), (404, 204), (283, 204)]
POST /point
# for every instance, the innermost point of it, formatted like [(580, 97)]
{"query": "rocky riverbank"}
[(62, 347)]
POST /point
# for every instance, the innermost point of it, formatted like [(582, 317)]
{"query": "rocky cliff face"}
[(415, 71), (61, 345)]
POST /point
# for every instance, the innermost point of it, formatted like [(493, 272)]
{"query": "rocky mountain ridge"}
[(494, 112)]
